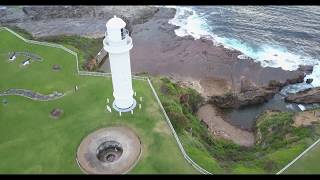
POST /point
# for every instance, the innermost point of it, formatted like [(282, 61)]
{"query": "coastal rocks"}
[(251, 94), (306, 68), (250, 97), (296, 80), (247, 85), (86, 21), (306, 118), (309, 81), (228, 100), (308, 96)]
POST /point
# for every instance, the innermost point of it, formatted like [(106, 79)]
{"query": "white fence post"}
[(298, 157)]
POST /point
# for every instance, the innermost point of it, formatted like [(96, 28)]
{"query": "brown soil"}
[(221, 129), (207, 87), (306, 118), (215, 86), (56, 113)]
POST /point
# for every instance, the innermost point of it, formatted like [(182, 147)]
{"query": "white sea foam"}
[(302, 108), (269, 55), (315, 76)]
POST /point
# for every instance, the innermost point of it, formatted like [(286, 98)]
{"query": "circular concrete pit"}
[(112, 150)]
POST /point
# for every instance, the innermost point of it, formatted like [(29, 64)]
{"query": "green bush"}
[(277, 135), (277, 130), (88, 46)]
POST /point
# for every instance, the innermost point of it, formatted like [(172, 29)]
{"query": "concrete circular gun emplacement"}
[(112, 150)]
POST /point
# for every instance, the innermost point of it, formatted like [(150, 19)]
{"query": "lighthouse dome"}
[(115, 23)]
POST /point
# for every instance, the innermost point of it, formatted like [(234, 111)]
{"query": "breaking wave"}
[(195, 23)]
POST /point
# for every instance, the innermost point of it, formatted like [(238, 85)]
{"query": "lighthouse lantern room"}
[(118, 44)]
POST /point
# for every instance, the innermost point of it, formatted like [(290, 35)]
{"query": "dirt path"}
[(221, 129)]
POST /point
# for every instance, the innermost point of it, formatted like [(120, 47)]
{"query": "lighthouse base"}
[(134, 104)]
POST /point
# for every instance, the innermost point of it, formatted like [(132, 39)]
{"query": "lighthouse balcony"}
[(117, 46)]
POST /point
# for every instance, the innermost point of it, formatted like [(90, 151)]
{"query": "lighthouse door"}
[(123, 34)]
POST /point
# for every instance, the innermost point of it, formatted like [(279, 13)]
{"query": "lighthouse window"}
[(123, 35)]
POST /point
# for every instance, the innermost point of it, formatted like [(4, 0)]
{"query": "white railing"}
[(126, 41), (195, 165), (298, 157), (45, 44)]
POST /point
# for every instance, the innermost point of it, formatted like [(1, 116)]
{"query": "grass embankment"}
[(86, 48), (309, 163), (33, 142), (278, 142)]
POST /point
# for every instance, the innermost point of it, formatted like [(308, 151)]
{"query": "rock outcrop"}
[(309, 81), (308, 96), (251, 94), (306, 68), (88, 21)]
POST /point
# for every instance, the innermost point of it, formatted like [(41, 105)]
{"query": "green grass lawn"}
[(32, 142), (307, 164)]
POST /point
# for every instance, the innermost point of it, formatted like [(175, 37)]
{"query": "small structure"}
[(13, 57), (112, 150), (26, 62), (108, 108), (56, 113), (101, 55), (56, 67)]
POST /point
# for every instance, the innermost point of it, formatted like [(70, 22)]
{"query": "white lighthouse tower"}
[(118, 43)]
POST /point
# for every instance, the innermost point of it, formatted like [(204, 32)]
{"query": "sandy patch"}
[(207, 87), (215, 86), (221, 129), (306, 118)]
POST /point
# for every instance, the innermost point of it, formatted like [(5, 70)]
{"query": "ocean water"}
[(275, 36)]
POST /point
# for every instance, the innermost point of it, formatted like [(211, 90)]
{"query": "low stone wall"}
[(32, 95)]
